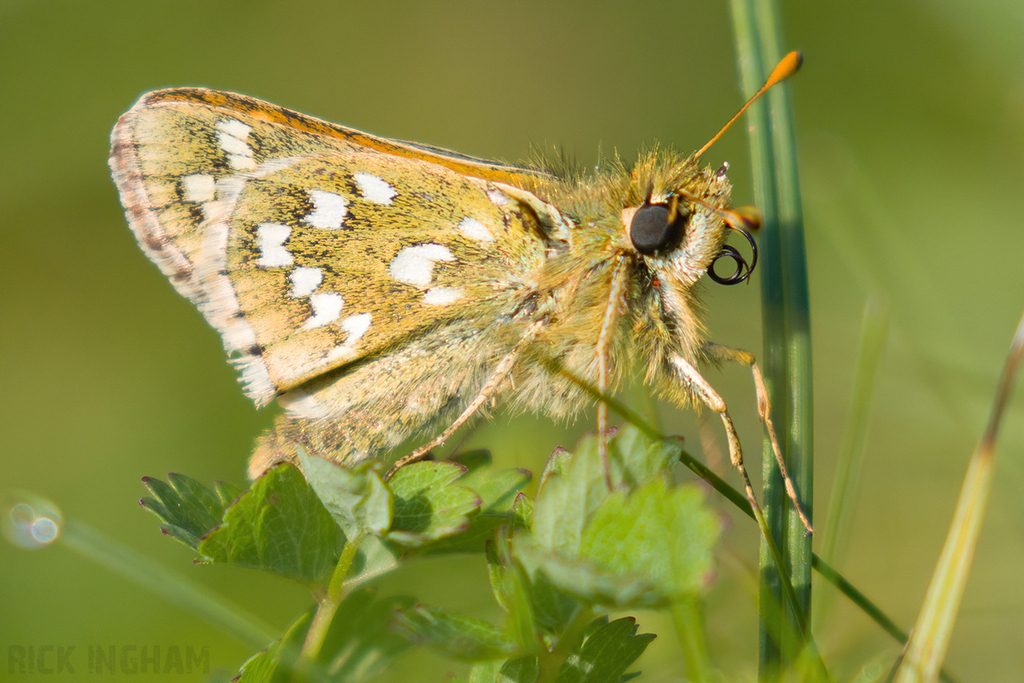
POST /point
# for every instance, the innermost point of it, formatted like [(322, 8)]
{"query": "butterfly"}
[(382, 290)]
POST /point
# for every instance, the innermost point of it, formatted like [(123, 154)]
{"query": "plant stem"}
[(329, 602)]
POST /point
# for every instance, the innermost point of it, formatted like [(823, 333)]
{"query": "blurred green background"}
[(910, 124)]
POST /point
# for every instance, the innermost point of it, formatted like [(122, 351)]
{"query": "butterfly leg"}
[(602, 350), (726, 353), (501, 372), (706, 393)]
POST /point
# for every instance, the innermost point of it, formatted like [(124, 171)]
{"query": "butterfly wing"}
[(310, 246)]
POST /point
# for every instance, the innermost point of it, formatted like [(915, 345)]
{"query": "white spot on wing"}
[(241, 162), (356, 326), (374, 189), (272, 252), (415, 265), (441, 296), (475, 230), (326, 309), (234, 146), (305, 281), (329, 210), (234, 128), (231, 136), (497, 197), (199, 187)]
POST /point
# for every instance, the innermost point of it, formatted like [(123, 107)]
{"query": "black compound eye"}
[(650, 230)]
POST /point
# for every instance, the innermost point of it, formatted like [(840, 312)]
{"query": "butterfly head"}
[(689, 235), (676, 218), (688, 228)]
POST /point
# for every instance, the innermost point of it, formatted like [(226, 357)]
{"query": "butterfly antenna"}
[(789, 65)]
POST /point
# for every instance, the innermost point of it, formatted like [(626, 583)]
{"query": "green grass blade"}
[(786, 318), (927, 647)]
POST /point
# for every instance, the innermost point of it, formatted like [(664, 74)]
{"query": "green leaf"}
[(529, 598), (484, 672), (359, 645), (361, 641), (374, 558), (557, 463), (522, 514), (532, 604), (498, 559), (428, 506), (606, 654), (636, 459), (188, 509), (498, 493), (603, 657), (276, 662), (665, 535), (355, 496), (455, 635), (574, 485), (580, 577), (567, 495), (641, 545), (481, 529), (519, 670), (226, 492), (280, 526), (553, 607)]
